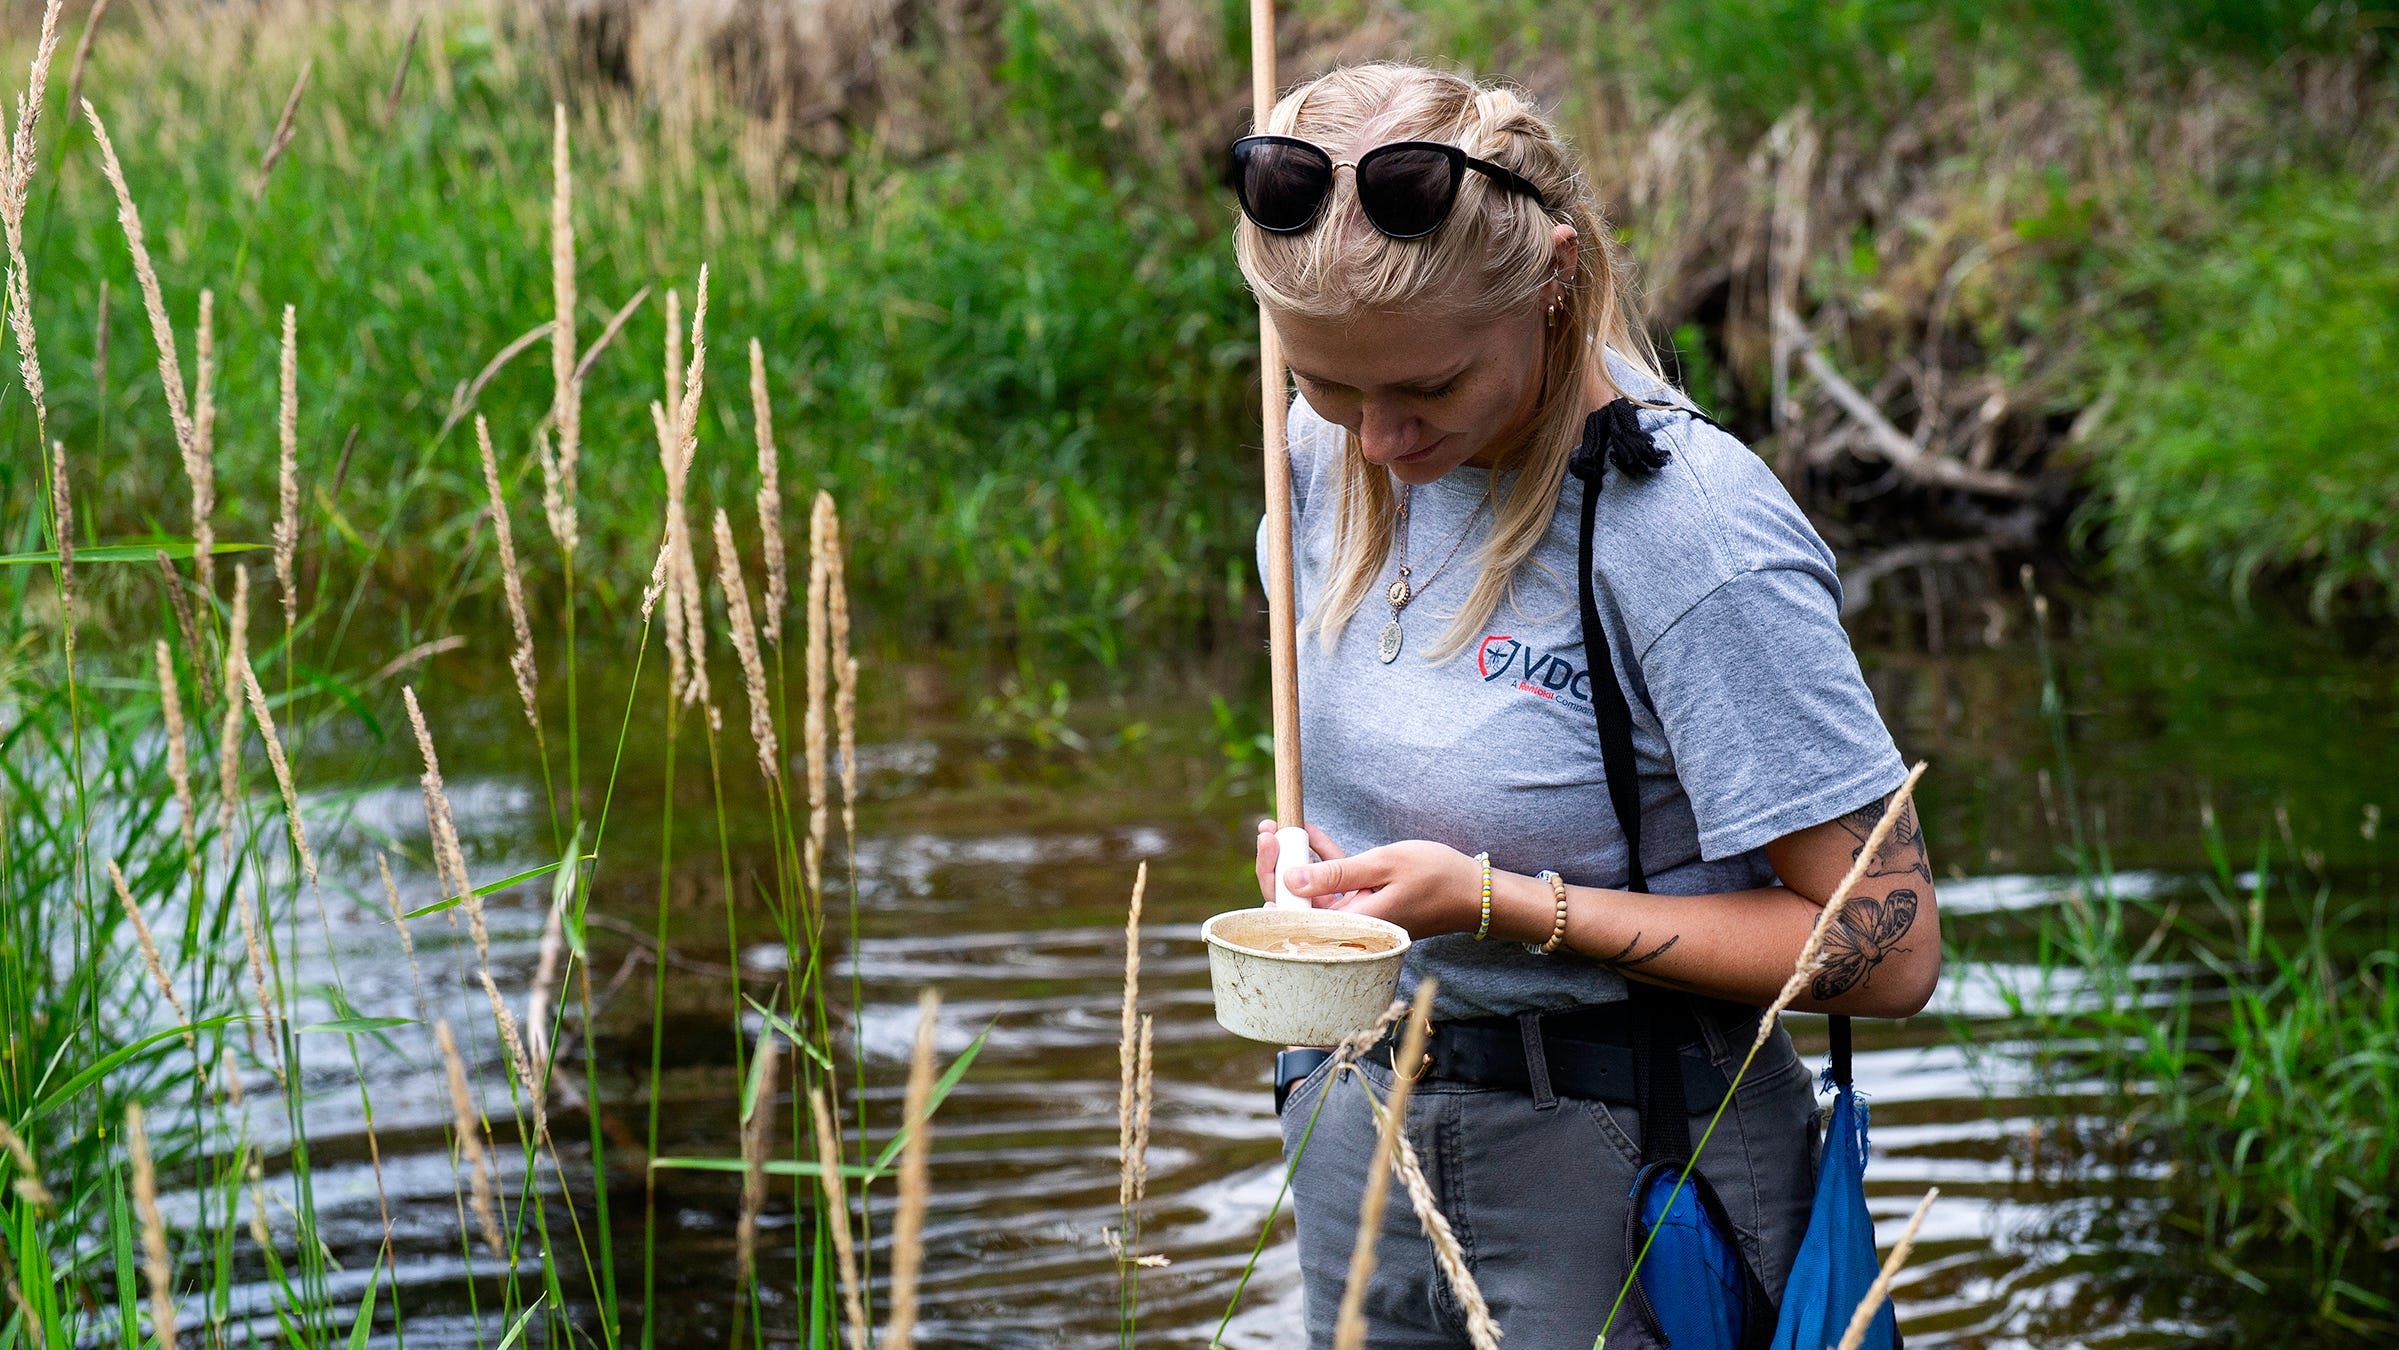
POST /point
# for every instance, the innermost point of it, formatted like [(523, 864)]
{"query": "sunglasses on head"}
[(1406, 188)]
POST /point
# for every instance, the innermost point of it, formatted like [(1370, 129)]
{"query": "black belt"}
[(1582, 1053)]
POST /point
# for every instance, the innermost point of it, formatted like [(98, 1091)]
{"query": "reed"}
[(465, 1125), (1863, 1317), (281, 764), (837, 1215), (770, 500), (512, 583), (757, 1124), (1349, 1325), (229, 730), (287, 471), (566, 396), (744, 634), (150, 957), (158, 1264), (908, 1225), (281, 140), (28, 1185)]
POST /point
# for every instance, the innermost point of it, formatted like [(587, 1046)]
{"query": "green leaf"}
[(109, 553), (351, 1026), (523, 1320), (941, 1091), (452, 902), (366, 1308), (115, 1060)]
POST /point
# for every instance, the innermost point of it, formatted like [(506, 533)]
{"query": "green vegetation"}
[(2245, 1035)]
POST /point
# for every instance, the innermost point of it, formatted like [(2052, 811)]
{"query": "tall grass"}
[(134, 999), (2243, 1033)]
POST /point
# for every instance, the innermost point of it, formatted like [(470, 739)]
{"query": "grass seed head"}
[(512, 584), (908, 1226), (1863, 1317), (1349, 1327), (520, 1061), (744, 634), (1804, 969), (566, 396), (282, 766), (287, 472), (1128, 1045), (28, 1186), (157, 1263), (229, 732), (770, 499), (756, 1126), (150, 957), (465, 1124), (837, 1208), (179, 755)]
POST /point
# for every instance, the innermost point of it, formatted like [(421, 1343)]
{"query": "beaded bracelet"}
[(1557, 927), (1482, 929)]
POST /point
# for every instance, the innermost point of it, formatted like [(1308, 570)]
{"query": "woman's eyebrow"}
[(1422, 382)]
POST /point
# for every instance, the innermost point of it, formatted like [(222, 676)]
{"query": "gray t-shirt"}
[(1722, 608)]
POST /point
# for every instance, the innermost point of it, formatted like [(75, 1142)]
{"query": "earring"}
[(1553, 311)]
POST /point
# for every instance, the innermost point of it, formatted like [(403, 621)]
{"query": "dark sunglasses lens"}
[(1407, 192), (1281, 186)]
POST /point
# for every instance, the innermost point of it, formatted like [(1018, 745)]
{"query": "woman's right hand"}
[(1270, 854)]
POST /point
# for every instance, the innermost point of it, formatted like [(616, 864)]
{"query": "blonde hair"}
[(1490, 258)]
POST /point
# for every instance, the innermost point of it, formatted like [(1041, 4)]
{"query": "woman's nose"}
[(1385, 434)]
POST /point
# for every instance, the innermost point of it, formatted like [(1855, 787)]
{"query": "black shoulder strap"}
[(1661, 1020)]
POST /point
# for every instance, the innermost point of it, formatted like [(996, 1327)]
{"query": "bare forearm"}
[(1737, 945)]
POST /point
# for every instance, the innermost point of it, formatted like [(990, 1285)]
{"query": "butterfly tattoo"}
[(1867, 931)]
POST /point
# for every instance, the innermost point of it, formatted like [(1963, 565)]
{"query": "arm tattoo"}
[(1624, 959), (1866, 931), (1870, 927), (1902, 853)]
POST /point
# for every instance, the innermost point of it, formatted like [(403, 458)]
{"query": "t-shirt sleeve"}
[(1769, 719)]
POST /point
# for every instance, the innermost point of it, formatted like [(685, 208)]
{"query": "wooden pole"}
[(1281, 606)]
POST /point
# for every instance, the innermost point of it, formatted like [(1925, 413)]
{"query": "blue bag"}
[(1836, 1259)]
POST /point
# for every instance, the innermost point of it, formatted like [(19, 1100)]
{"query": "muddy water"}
[(998, 873)]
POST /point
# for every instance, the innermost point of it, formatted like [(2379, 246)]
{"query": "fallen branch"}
[(1882, 439)]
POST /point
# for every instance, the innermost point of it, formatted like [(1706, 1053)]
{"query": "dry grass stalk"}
[(185, 623), (656, 586), (229, 1074), (1804, 969), (1481, 1331), (179, 755), (287, 471), (674, 356), (685, 429), (282, 139), (837, 1207), (62, 501), (520, 1062), (158, 1265), (253, 939), (29, 1187), (259, 1233), (449, 860), (1863, 1318), (608, 333), (756, 1124), (1349, 1328), (745, 646), (229, 732), (1128, 1046), (391, 897), (464, 1124), (770, 499), (423, 651), (150, 957), (201, 474), (545, 979), (819, 646), (83, 53), (463, 398), (1143, 1096), (845, 673), (204, 430), (16, 180), (908, 1226), (512, 583), (283, 770), (566, 397), (391, 101)]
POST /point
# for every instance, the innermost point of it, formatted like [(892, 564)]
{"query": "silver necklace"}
[(1400, 592)]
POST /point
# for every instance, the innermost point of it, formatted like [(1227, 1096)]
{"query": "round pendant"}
[(1388, 648), (1397, 593)]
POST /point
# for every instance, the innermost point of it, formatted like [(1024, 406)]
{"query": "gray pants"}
[(1537, 1198)]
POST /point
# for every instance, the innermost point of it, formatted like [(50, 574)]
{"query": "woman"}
[(1452, 321)]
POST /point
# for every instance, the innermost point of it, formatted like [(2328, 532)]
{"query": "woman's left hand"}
[(1427, 888)]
